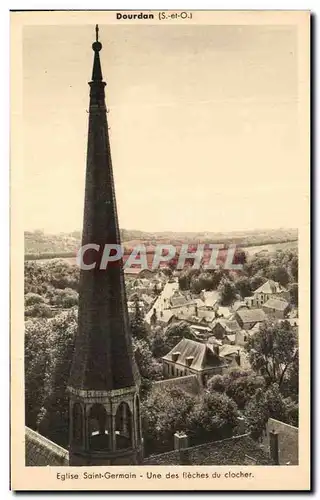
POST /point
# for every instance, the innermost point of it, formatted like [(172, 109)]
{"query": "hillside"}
[(42, 245)]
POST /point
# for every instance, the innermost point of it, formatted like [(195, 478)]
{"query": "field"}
[(251, 250)]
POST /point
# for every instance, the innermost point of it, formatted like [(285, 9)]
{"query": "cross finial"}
[(97, 33)]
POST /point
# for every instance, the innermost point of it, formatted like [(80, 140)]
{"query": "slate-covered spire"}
[(103, 358), (104, 410)]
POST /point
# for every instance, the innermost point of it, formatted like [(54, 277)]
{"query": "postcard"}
[(160, 239)]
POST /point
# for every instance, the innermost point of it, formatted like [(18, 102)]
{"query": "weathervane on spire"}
[(97, 45)]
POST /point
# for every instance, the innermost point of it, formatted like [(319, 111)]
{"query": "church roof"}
[(40, 451)]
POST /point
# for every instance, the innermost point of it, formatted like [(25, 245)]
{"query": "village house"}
[(270, 289), (276, 308), (189, 357), (132, 305), (210, 298), (225, 328), (242, 337), (239, 305), (248, 318)]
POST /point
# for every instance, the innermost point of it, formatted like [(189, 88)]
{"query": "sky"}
[(203, 125)]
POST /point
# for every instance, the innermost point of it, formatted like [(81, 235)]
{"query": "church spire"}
[(104, 380), (96, 46)]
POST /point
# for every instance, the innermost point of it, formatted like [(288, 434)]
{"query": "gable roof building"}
[(270, 287), (278, 307), (191, 357), (247, 318)]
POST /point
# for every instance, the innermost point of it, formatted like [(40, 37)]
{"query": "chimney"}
[(181, 445), (238, 358), (241, 426), (216, 350), (189, 360), (180, 440), (175, 356), (274, 446)]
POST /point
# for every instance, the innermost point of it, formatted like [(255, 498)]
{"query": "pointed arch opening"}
[(123, 426), (77, 424), (99, 435), (138, 418)]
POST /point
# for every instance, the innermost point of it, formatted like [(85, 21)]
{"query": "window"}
[(123, 426)]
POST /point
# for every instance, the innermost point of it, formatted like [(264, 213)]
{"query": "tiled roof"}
[(230, 326), (232, 337), (251, 315), (239, 305), (238, 450), (199, 303), (40, 451), (278, 304), (202, 354), (209, 316), (228, 350), (224, 311), (188, 383), (210, 297), (177, 301), (167, 314)]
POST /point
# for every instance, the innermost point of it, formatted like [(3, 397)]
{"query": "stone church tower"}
[(105, 424)]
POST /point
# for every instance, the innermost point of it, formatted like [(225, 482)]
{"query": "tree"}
[(243, 286), (64, 298), (228, 292), (239, 385), (38, 311), (35, 364), (212, 417), (138, 326), (272, 350), (54, 421), (176, 332), (158, 342), (164, 413), (279, 274), (257, 280), (294, 267), (269, 404), (31, 299), (148, 367), (291, 384), (186, 276), (294, 294), (216, 384)]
